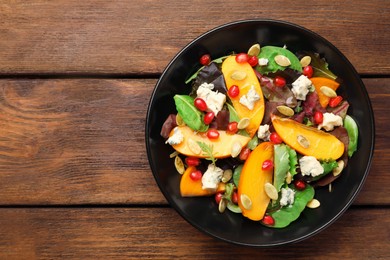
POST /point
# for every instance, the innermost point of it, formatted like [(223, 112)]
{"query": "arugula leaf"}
[(285, 215), (208, 151), (320, 66), (189, 113), (269, 52), (282, 165)]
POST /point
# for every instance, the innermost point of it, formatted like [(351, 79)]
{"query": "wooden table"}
[(75, 82)]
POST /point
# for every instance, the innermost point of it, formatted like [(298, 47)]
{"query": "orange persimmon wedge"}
[(252, 180), (318, 82), (230, 66), (308, 140), (191, 188), (221, 147)]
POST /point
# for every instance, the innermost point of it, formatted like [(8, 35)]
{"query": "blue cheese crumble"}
[(212, 177), (310, 166), (176, 138), (301, 87), (213, 99), (250, 98), (287, 197), (330, 121)]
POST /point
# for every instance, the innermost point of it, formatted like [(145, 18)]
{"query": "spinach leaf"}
[(189, 113), (282, 165), (269, 52), (293, 158), (285, 215), (237, 174), (252, 144), (353, 134)]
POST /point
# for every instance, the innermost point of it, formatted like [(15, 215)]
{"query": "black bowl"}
[(202, 212)]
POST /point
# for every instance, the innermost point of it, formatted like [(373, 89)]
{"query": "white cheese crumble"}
[(263, 62), (263, 132), (250, 98), (211, 178), (213, 99), (310, 166), (176, 138), (287, 197), (301, 87), (330, 120)]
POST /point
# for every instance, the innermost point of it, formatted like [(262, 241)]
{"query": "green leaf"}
[(252, 144), (282, 165), (189, 113), (237, 174), (269, 52), (193, 76), (328, 168), (353, 134), (233, 116), (293, 158), (320, 66), (208, 151), (285, 215)]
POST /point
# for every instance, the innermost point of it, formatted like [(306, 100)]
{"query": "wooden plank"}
[(81, 141), (160, 233), (123, 37)]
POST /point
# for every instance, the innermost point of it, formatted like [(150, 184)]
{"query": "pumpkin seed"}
[(330, 187), (288, 178), (340, 166), (327, 91), (236, 149), (314, 203), (305, 61), (246, 201), (222, 205), (179, 120), (254, 50), (174, 154), (285, 110), (271, 191), (243, 123), (179, 165), (282, 60), (238, 75), (194, 146), (227, 175), (303, 141)]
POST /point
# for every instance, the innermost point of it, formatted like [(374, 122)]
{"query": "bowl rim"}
[(224, 27)]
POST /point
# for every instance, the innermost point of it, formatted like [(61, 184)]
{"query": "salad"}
[(260, 131)]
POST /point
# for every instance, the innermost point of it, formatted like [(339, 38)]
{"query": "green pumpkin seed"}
[(340, 166), (238, 75), (288, 178), (303, 141), (222, 205), (271, 191), (236, 149), (179, 120), (327, 91), (282, 60), (254, 50), (285, 110), (246, 201), (305, 61), (243, 123), (227, 175), (194, 146), (314, 203), (179, 165)]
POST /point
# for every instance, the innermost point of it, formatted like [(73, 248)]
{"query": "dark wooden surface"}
[(75, 82)]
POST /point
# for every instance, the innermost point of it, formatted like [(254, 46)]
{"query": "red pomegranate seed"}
[(242, 58), (235, 197), (208, 118), (192, 161), (245, 152), (218, 197), (205, 59), (334, 102), (232, 128), (299, 184), (213, 134), (308, 71), (279, 81), (196, 175), (200, 104), (318, 117), (234, 91), (267, 165), (268, 220), (275, 138), (253, 61)]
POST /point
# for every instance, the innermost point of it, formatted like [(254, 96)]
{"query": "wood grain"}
[(81, 141), (140, 37), (138, 233)]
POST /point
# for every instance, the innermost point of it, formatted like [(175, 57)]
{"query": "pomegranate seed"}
[(218, 197), (268, 220), (267, 165), (334, 102), (235, 197), (213, 134), (196, 175), (308, 71), (234, 91), (200, 104), (192, 161), (279, 81), (208, 117), (253, 61), (275, 138), (232, 128), (244, 153), (205, 59), (299, 184), (318, 117), (242, 57)]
